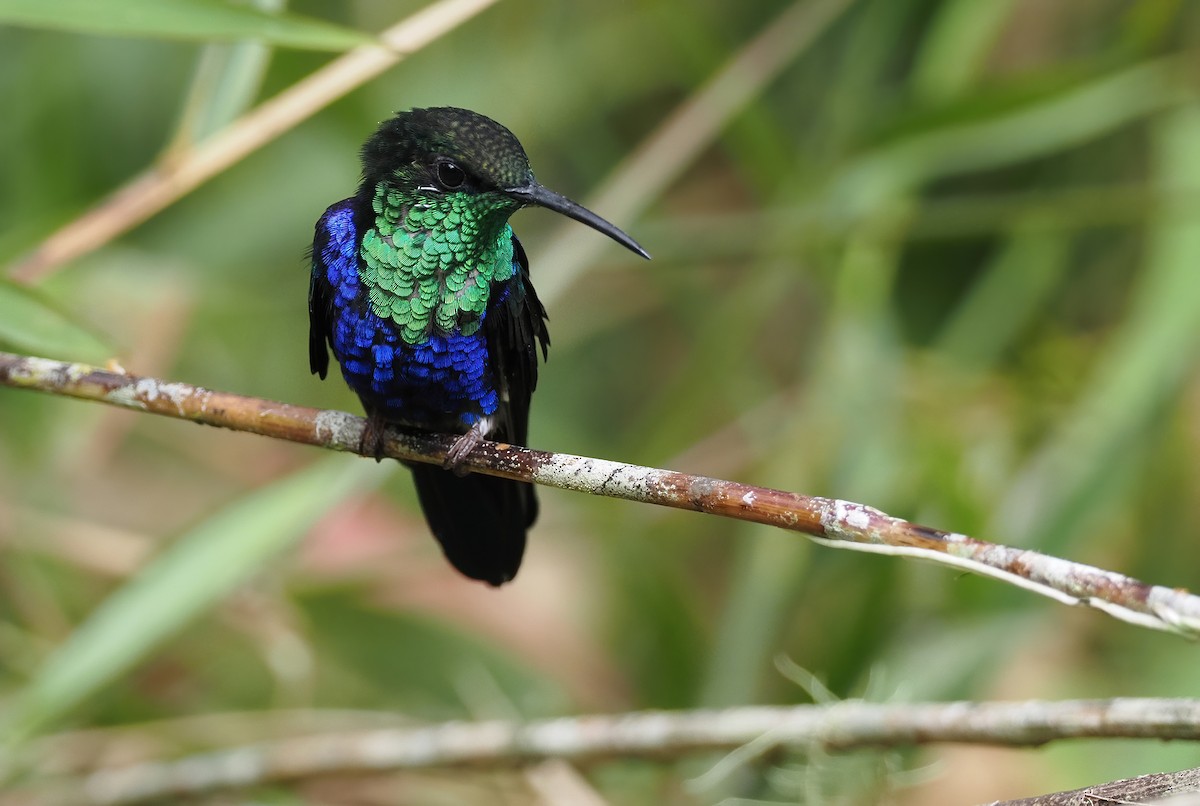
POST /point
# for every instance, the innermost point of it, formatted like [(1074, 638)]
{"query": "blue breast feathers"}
[(444, 381)]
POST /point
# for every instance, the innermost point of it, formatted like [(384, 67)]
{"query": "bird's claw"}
[(371, 442), (461, 449)]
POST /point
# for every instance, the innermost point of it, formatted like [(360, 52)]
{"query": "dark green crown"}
[(482, 147)]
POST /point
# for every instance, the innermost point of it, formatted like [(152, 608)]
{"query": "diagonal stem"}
[(161, 185)]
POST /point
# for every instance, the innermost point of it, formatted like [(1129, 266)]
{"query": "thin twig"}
[(653, 734), (151, 191), (1176, 788), (831, 522)]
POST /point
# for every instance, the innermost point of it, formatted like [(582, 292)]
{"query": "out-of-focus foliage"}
[(180, 19), (947, 263)]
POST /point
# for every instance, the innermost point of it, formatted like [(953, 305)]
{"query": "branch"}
[(750, 731), (1161, 788), (831, 522)]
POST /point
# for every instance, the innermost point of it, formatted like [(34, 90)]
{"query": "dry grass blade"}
[(687, 131), (161, 185)]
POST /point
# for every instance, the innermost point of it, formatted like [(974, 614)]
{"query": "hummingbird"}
[(422, 292)]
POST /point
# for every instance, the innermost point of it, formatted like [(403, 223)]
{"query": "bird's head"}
[(429, 155)]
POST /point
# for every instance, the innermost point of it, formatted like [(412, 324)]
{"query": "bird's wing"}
[(515, 327), (334, 256)]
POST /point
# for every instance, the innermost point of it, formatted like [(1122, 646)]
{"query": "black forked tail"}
[(479, 520)]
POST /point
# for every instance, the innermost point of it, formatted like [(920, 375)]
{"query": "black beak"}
[(533, 193)]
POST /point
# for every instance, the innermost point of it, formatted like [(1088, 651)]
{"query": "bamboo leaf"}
[(185, 580), (31, 324), (203, 20)]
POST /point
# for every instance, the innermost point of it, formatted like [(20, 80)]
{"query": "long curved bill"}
[(533, 193)]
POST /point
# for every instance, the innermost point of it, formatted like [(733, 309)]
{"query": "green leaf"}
[(442, 680), (1144, 366), (1015, 286), (189, 577), (29, 323), (1055, 123), (179, 19)]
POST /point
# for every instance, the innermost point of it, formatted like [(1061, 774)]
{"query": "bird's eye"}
[(449, 175)]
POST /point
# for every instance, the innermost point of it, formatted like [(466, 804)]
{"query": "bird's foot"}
[(462, 448), (371, 443)]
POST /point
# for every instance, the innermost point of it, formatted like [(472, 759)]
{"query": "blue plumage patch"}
[(447, 378)]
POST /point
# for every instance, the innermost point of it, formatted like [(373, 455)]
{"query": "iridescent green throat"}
[(429, 264)]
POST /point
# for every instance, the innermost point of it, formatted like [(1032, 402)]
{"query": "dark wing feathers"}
[(319, 294), (320, 299), (515, 330)]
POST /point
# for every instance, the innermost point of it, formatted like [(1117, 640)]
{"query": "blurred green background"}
[(937, 256)]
